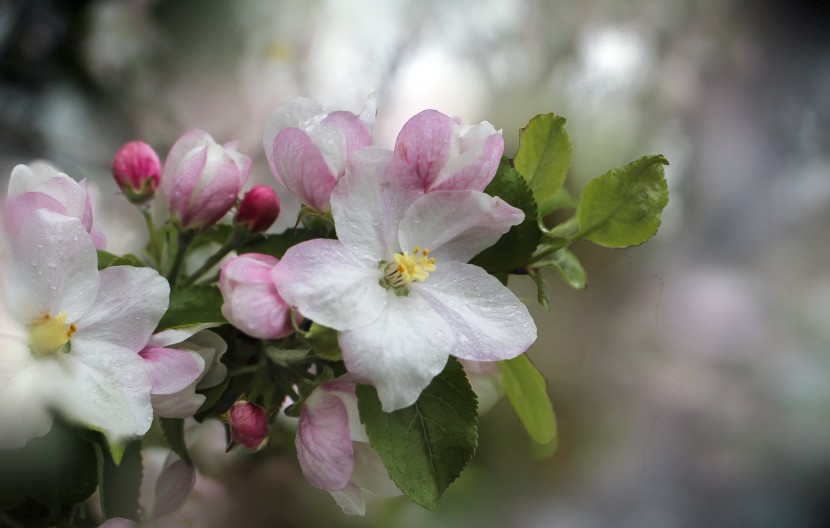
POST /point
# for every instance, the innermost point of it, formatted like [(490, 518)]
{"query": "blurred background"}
[(691, 379)]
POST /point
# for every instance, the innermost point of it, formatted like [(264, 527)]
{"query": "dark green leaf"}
[(426, 445), (526, 389), (568, 266), (173, 430), (121, 482), (277, 245), (544, 157), (105, 260), (622, 207), (514, 248), (324, 342), (192, 305)]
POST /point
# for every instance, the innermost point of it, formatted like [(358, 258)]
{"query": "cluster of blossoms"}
[(372, 289)]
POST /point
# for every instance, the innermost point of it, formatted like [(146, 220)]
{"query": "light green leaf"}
[(562, 199), (622, 207), (541, 287), (173, 430), (426, 445), (568, 266), (192, 305), (514, 248), (544, 157), (526, 389), (324, 342)]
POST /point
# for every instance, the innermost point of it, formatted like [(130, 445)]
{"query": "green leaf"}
[(425, 446), (541, 287), (173, 430), (568, 266), (120, 483), (277, 245), (526, 389), (324, 342), (514, 248), (105, 260), (562, 199), (622, 207), (192, 305), (544, 157), (284, 357)]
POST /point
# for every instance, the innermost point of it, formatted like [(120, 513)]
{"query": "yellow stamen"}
[(48, 334), (415, 266)]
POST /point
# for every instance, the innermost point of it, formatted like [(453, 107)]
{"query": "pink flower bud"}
[(249, 426), (258, 209), (252, 302), (201, 179), (137, 171)]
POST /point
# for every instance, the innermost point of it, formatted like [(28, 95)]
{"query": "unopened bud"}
[(137, 171), (249, 426), (259, 209)]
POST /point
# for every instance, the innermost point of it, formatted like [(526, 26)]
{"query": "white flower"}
[(70, 335), (396, 284)]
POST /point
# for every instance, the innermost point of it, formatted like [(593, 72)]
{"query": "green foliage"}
[(622, 207), (568, 266), (526, 389), (324, 342), (105, 260), (426, 445), (544, 157), (277, 245), (515, 247), (173, 430), (120, 482), (192, 305)]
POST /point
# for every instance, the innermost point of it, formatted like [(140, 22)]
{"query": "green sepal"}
[(568, 266), (526, 389), (544, 157), (426, 445), (515, 247)]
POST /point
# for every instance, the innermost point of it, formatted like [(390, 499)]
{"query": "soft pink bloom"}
[(180, 361), (396, 284), (249, 425), (41, 186), (448, 155), (202, 179), (252, 302), (259, 209), (136, 169), (307, 148), (334, 451)]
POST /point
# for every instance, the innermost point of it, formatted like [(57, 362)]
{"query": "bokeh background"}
[(691, 379)]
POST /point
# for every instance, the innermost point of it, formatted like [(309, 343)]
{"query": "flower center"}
[(50, 334), (407, 267)]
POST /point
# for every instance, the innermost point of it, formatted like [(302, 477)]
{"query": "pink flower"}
[(249, 425), (448, 155), (41, 186), (137, 171), (259, 209), (307, 149), (201, 179), (252, 302), (333, 448)]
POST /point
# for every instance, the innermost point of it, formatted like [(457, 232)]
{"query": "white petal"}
[(400, 352), (329, 285), (130, 303), (369, 202), (56, 267), (457, 225), (350, 500), (23, 411), (295, 113), (489, 322), (173, 336), (370, 473)]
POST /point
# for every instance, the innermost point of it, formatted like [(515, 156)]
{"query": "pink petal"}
[(292, 114), (173, 486), (171, 370), (357, 134), (300, 166), (425, 142), (324, 446), (473, 169), (252, 302)]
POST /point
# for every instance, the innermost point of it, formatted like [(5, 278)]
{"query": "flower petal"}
[(173, 486), (171, 370), (129, 305), (400, 352), (251, 301), (300, 166), (23, 408), (457, 225), (357, 135), (425, 142), (476, 164), (489, 322), (370, 201), (370, 473), (329, 285), (350, 500), (293, 113), (324, 445)]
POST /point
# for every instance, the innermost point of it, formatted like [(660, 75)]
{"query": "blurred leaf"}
[(622, 207), (285, 357), (192, 305), (426, 445), (120, 483), (324, 342), (544, 157), (568, 266), (277, 245), (173, 430), (105, 260), (514, 248), (526, 389)]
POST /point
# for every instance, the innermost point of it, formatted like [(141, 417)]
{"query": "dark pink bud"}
[(137, 171), (258, 209), (249, 426)]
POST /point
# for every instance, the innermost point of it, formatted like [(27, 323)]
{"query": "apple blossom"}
[(70, 334), (307, 148), (252, 302), (258, 209), (181, 361), (333, 448), (448, 155), (136, 169), (41, 186), (395, 284), (202, 179)]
